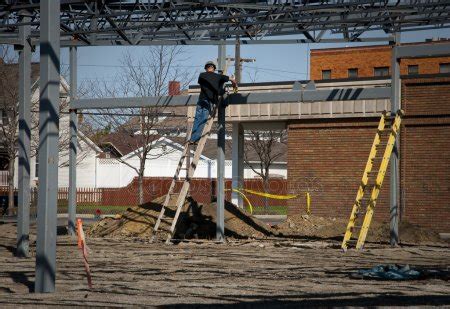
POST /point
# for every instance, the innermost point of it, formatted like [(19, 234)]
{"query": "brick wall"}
[(332, 155), (365, 59), (327, 158), (425, 152)]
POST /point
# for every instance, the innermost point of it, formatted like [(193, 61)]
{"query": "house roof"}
[(126, 144), (176, 118), (123, 142), (210, 150)]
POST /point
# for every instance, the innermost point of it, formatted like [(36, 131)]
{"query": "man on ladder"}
[(211, 85)]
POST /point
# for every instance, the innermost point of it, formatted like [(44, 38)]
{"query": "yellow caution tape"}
[(308, 203), (274, 196), (250, 207)]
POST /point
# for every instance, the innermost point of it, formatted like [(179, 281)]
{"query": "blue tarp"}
[(388, 272)]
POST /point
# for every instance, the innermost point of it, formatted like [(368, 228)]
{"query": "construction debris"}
[(196, 221), (199, 222), (325, 227)]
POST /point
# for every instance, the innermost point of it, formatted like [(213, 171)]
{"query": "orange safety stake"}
[(79, 229), (84, 252)]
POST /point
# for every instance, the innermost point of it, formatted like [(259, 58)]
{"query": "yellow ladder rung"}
[(376, 186)]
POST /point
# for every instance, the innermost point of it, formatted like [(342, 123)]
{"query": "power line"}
[(183, 66), (274, 70)]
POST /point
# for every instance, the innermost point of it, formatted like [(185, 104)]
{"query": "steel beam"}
[(68, 43), (294, 96), (73, 145), (23, 215), (422, 51), (237, 150), (48, 147), (220, 224), (395, 157)]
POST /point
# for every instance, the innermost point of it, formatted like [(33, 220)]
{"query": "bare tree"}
[(140, 128), (261, 152), (9, 96), (9, 107)]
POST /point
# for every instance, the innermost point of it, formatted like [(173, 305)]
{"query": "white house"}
[(87, 150), (113, 173), (96, 169)]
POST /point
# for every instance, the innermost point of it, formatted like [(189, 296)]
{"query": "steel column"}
[(237, 160), (23, 215), (220, 228), (73, 145), (394, 161), (48, 146)]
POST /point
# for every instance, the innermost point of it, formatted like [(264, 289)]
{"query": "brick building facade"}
[(327, 156), (369, 61)]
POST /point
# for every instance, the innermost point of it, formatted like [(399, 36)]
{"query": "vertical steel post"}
[(220, 228), (48, 146), (237, 60), (73, 145), (237, 159), (395, 157), (23, 215)]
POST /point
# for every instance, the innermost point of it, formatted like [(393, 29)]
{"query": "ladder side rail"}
[(365, 178), (169, 193), (172, 184), (184, 190), (379, 182)]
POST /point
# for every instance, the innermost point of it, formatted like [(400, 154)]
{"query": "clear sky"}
[(273, 62)]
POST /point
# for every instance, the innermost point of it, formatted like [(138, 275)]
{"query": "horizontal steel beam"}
[(423, 51), (67, 43), (340, 94), (78, 43)]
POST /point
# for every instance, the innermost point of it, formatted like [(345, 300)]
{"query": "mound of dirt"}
[(311, 226), (323, 227), (409, 234), (195, 221)]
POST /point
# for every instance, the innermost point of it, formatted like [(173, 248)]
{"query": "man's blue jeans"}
[(201, 116)]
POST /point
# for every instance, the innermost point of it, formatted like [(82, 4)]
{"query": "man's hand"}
[(233, 80)]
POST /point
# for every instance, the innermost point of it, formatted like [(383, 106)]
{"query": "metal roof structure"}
[(53, 24), (148, 22)]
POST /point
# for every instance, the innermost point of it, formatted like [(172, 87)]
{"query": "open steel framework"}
[(144, 22), (54, 24)]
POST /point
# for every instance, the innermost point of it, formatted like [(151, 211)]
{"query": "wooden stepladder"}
[(189, 173), (368, 176)]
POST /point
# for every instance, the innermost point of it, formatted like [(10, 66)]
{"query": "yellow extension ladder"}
[(187, 180), (375, 187)]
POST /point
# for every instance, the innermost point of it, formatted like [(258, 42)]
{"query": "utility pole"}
[(238, 61)]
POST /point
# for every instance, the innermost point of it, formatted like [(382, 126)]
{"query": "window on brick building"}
[(413, 69), (326, 74), (352, 73), (444, 67), (381, 71)]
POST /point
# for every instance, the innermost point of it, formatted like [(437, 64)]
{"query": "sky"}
[(273, 62)]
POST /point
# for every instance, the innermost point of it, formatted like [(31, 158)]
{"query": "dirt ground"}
[(276, 272), (198, 221)]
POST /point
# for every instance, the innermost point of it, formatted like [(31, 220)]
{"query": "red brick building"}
[(327, 156), (369, 61)]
